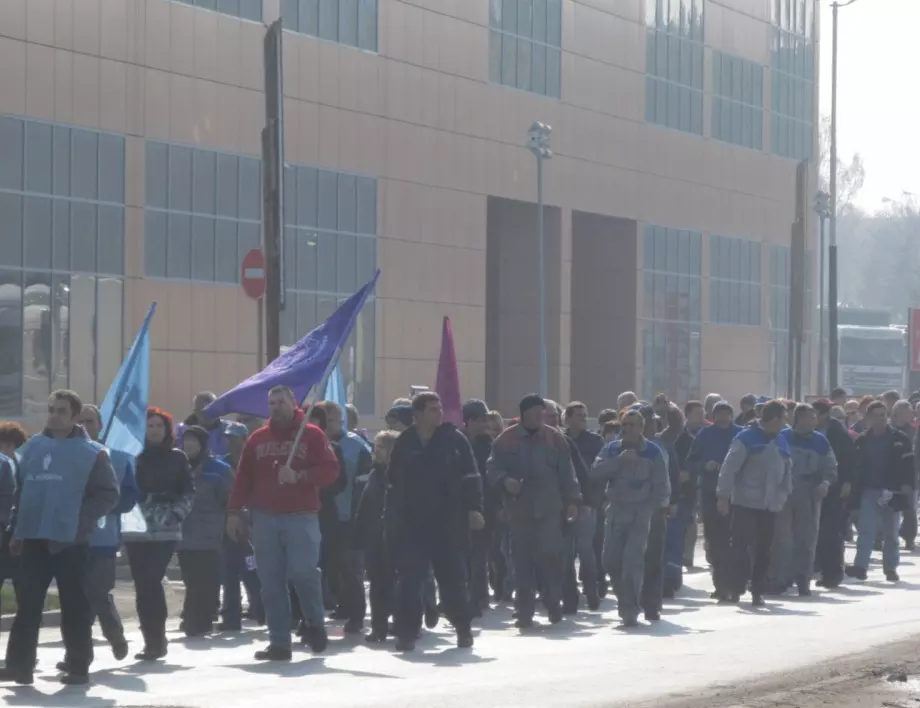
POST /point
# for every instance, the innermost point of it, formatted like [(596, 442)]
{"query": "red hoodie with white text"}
[(256, 485)]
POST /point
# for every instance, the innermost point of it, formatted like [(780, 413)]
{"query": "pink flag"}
[(448, 384)]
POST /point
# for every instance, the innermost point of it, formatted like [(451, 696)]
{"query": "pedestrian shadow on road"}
[(224, 640), (885, 585), (67, 697), (855, 591), (119, 680), (299, 669), (660, 628), (447, 658), (773, 608)]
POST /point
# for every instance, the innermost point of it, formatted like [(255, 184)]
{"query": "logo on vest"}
[(46, 461)]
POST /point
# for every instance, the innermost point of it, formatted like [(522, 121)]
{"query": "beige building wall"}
[(422, 116)]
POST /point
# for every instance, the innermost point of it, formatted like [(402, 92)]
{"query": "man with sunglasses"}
[(68, 484)]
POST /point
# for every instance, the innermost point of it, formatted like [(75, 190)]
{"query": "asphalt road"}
[(698, 649)]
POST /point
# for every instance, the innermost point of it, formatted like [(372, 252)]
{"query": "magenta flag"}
[(448, 384)]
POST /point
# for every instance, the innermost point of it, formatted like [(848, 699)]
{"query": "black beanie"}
[(200, 434), (531, 400)]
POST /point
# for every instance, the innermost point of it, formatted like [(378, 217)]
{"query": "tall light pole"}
[(832, 251), (538, 144), (822, 208)]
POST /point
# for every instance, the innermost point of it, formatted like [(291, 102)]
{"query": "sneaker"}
[(120, 650), (892, 576), (75, 679), (405, 645), (316, 638), (854, 571), (12, 675), (464, 639), (354, 626), (523, 622), (757, 600), (273, 653), (432, 617)]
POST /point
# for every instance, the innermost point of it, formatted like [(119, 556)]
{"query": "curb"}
[(50, 618)]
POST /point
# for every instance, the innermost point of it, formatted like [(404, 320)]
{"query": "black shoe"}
[(464, 639), (555, 615), (630, 622), (316, 638), (729, 599), (273, 653), (75, 679), (716, 595), (854, 571), (652, 616), (151, 654), (354, 626), (523, 622), (375, 638), (432, 617), (13, 675), (120, 650), (405, 645), (757, 600), (892, 576)]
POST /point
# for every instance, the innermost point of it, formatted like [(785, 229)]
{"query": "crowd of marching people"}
[(438, 519)]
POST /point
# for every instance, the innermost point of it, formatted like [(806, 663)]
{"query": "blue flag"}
[(335, 387), (124, 410), (301, 367)]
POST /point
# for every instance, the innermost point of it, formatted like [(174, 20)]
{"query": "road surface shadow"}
[(119, 680), (298, 669), (66, 697), (772, 608), (852, 590), (659, 628), (447, 658), (223, 640)]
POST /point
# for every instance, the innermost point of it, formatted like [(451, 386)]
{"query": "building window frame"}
[(734, 281)]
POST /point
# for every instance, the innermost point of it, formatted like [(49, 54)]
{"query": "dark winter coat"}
[(368, 524), (431, 488), (898, 467), (167, 490)]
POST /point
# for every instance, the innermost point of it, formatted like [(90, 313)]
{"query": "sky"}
[(878, 94)]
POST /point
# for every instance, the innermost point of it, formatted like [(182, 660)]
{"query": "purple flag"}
[(301, 367), (448, 384)]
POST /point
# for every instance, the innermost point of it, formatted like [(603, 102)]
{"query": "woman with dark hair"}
[(167, 490)]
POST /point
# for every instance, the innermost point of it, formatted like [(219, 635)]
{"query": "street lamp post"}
[(538, 143), (822, 208), (832, 250)]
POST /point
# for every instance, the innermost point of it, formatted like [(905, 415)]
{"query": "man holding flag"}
[(281, 471)]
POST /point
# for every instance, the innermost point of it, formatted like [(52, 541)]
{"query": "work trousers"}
[(67, 567), (201, 577), (795, 537), (718, 534), (873, 518), (537, 550), (579, 541), (625, 545), (751, 541), (236, 569), (829, 556), (148, 561)]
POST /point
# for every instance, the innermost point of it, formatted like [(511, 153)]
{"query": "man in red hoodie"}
[(285, 502)]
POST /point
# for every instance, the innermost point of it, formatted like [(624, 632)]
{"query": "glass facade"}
[(245, 9), (330, 250), (62, 253), (202, 214), (734, 281), (779, 297), (737, 101), (793, 77), (350, 22), (674, 64), (670, 328), (525, 45)]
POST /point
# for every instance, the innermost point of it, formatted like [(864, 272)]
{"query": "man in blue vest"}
[(105, 542), (344, 564), (68, 484)]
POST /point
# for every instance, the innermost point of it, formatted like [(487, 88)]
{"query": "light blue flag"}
[(335, 388), (124, 410)]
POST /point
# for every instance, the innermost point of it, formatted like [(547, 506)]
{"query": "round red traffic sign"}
[(253, 274)]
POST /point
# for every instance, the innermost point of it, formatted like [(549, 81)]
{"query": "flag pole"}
[(312, 395), (123, 384)]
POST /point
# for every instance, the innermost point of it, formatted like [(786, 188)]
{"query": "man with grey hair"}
[(626, 399), (710, 402)]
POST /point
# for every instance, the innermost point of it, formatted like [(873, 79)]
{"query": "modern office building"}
[(130, 173)]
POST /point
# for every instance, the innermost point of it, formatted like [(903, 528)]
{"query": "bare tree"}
[(851, 174)]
